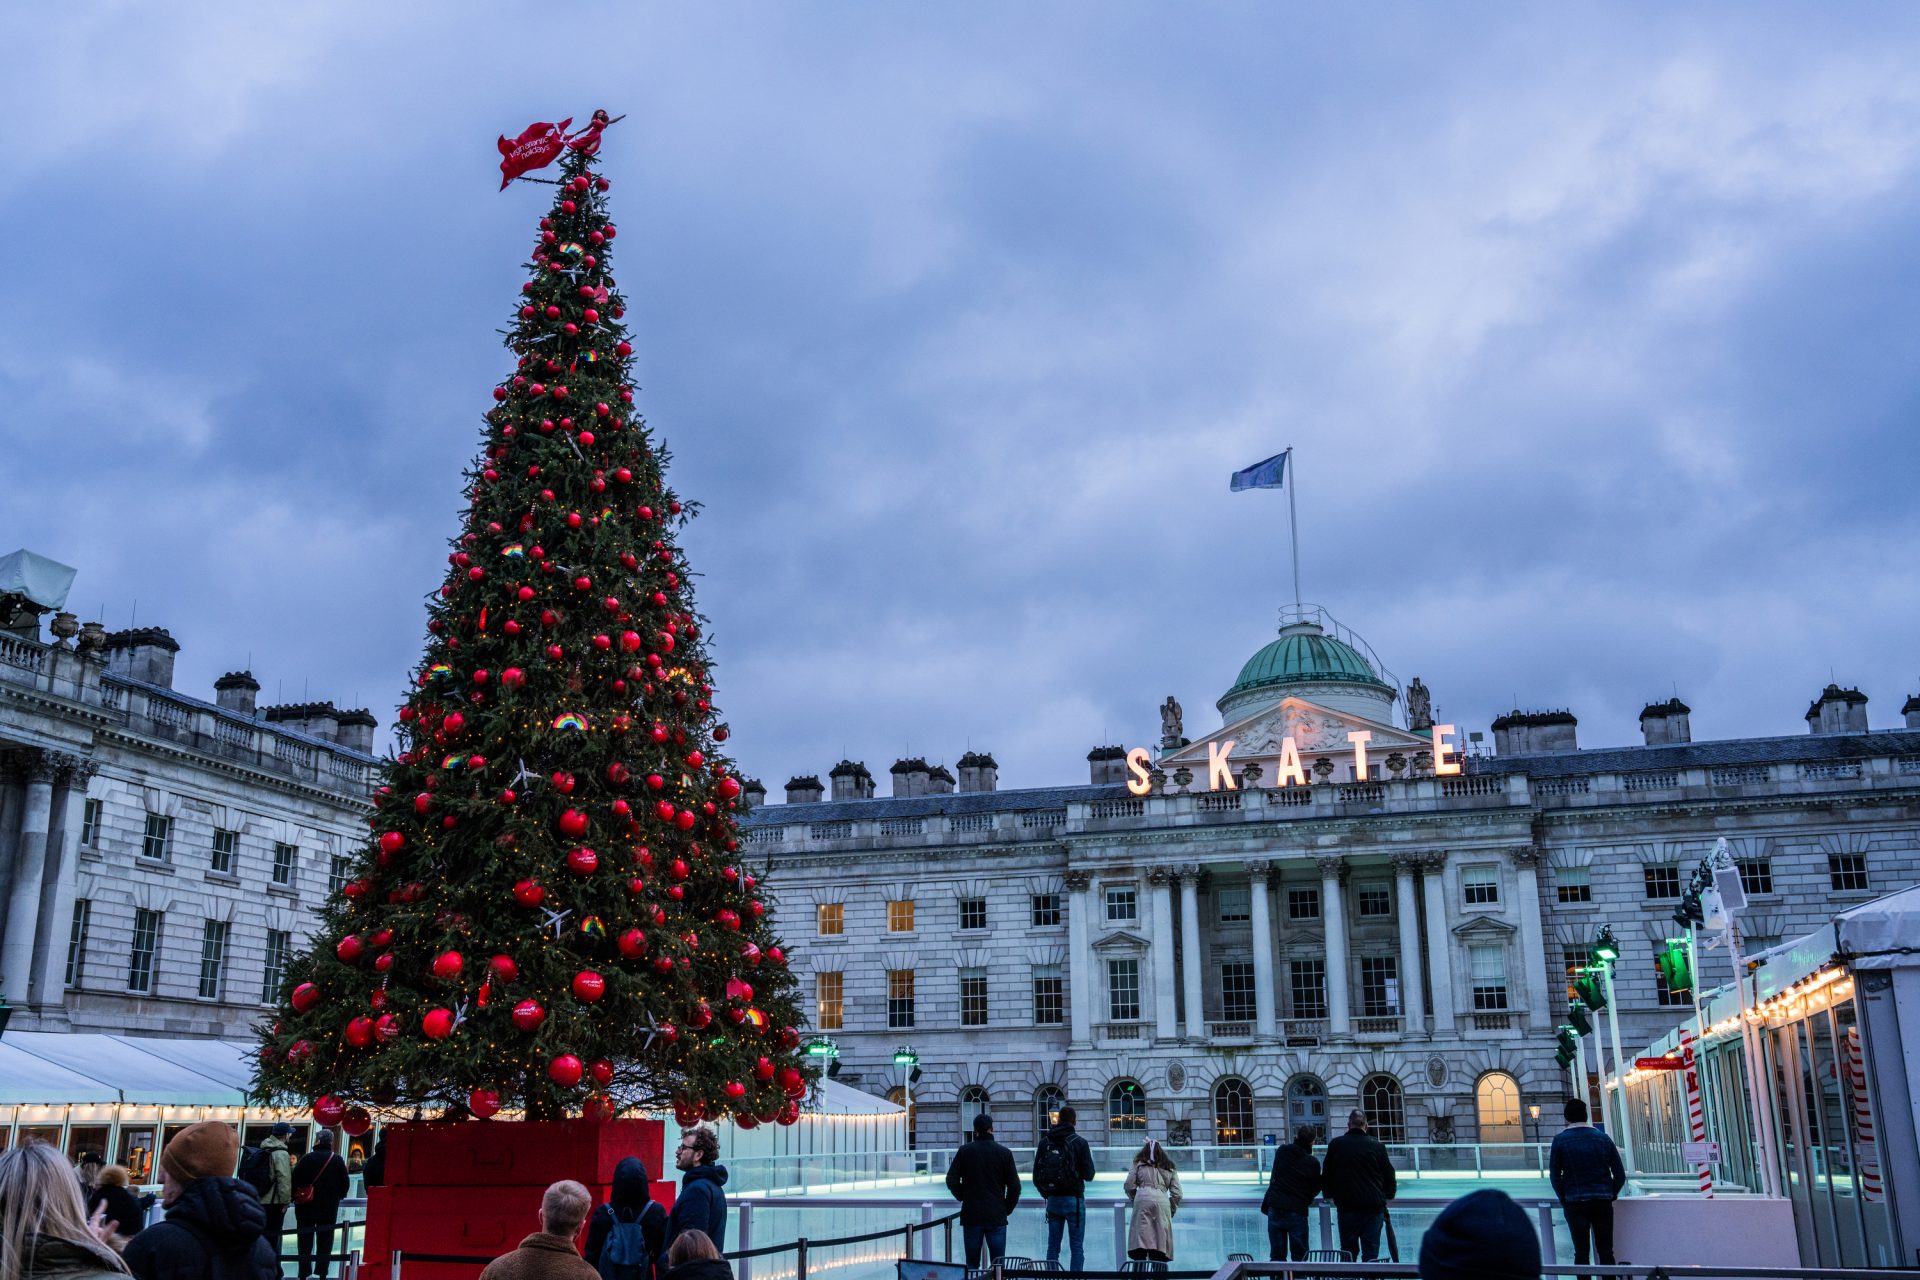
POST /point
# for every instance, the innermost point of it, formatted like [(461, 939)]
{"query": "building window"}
[(1480, 886), (1662, 993), (1232, 1113), (1577, 958), (279, 951), (1379, 986), (1308, 979), (1046, 910), (1572, 884), (283, 856), (213, 958), (146, 941), (221, 862), (1123, 990), (77, 940), (1382, 1104), (828, 999), (1047, 1102), (337, 870), (1487, 967), (830, 919), (154, 844), (1303, 904), (973, 1103), (1756, 875), (1049, 996), (1663, 879), (899, 1098), (1236, 906), (89, 823), (1375, 899), (900, 915), (973, 913), (973, 997), (1126, 1107), (1847, 871), (1123, 905), (1237, 1000), (899, 999)]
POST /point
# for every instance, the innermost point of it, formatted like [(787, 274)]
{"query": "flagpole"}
[(1293, 522)]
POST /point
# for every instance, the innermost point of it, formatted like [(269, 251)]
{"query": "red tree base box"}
[(473, 1190)]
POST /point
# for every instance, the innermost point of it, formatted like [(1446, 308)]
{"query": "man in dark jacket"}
[(1587, 1176), (1290, 1193), (630, 1201), (1359, 1180), (1062, 1168), (214, 1228), (701, 1204), (985, 1181), (315, 1219)]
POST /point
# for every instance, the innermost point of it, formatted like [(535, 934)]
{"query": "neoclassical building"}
[(1326, 902)]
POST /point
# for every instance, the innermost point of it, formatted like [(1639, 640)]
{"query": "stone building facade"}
[(161, 856), (1214, 963)]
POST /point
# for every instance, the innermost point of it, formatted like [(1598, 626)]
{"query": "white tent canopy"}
[(51, 1068)]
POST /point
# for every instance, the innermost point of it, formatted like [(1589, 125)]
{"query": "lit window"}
[(1236, 905), (1126, 1106), (146, 941), (1847, 871), (1049, 996), (154, 843), (1046, 910), (1572, 884), (1375, 899), (1123, 990), (283, 860), (899, 998), (900, 916), (973, 997), (973, 913), (1480, 886), (1232, 1113), (279, 951), (830, 919), (1487, 967), (1308, 980), (1123, 905), (213, 958), (829, 1003), (1577, 958), (1662, 880), (1237, 999), (1303, 904)]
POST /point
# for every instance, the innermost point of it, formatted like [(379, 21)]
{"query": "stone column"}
[(1439, 941), (1260, 894), (1080, 959), (1413, 1004), (29, 865), (1166, 1019), (1533, 945), (48, 984), (1190, 951), (1333, 872)]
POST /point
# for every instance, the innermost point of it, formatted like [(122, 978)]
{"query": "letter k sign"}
[(1219, 776)]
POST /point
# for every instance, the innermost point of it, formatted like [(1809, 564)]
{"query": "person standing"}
[(1483, 1235), (1290, 1194), (548, 1254), (44, 1231), (702, 1202), (123, 1210), (214, 1228), (986, 1182), (693, 1257), (1585, 1168), (279, 1193), (319, 1185), (626, 1237), (1153, 1185), (1358, 1178), (1062, 1168)]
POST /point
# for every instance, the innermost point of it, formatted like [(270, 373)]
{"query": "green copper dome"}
[(1305, 654)]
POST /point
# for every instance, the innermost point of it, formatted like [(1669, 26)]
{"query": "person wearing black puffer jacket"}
[(631, 1200), (214, 1228), (1290, 1193), (702, 1202)]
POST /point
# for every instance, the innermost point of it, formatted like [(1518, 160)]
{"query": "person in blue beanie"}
[(1587, 1176), (1483, 1236)]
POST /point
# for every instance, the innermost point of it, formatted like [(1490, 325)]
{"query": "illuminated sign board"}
[(1290, 772)]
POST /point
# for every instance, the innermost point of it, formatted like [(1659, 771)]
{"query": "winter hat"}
[(209, 1149), (1483, 1236), (283, 1130)]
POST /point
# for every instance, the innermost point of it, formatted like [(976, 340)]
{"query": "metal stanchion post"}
[(743, 1269), (1119, 1233), (800, 1258)]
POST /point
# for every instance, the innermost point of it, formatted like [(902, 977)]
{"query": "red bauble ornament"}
[(790, 1079), (789, 1114), (504, 968), (453, 723), (384, 961), (528, 893), (763, 1069), (305, 996), (727, 788), (602, 1072), (686, 1114), (598, 1107), (513, 677), (583, 862), (356, 1121), (386, 1027), (448, 964), (633, 944), (573, 823), (392, 842), (735, 1089), (700, 1016), (528, 1015), (483, 1103), (350, 949), (679, 869), (589, 986), (360, 1032), (328, 1111), (776, 955), (728, 917), (438, 1024), (745, 1122), (565, 1071), (381, 939)]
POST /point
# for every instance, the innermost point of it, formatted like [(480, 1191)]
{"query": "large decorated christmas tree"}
[(551, 912)]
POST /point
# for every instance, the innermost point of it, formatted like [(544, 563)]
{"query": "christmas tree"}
[(551, 911)]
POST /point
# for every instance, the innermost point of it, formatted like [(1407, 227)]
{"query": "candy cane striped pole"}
[(1696, 1117), (1866, 1156)]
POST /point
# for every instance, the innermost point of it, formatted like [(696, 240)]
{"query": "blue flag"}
[(1262, 475)]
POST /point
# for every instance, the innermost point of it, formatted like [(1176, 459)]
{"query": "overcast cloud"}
[(1593, 329)]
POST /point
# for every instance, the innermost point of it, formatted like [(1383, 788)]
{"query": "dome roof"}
[(1306, 654)]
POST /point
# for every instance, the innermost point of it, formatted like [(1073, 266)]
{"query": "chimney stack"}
[(1838, 710), (1107, 765), (1666, 722), (978, 772), (237, 691), (1522, 733), (1912, 711), (910, 777), (321, 719), (753, 794), (804, 790), (939, 781), (356, 730), (851, 781), (144, 653)]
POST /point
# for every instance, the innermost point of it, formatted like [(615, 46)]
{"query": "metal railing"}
[(1622, 1271), (803, 1246)]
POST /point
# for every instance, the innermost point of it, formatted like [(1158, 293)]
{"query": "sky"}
[(1591, 328)]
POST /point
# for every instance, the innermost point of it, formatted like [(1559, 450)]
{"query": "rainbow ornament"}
[(756, 1019), (453, 762), (513, 551), (592, 356), (571, 720), (593, 927), (572, 249), (440, 671)]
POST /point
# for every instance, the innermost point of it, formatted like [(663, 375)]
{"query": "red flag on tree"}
[(536, 148)]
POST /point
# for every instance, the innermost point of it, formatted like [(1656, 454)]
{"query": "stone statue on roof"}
[(1419, 707), (1172, 726)]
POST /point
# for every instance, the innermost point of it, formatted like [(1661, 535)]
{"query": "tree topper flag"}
[(540, 144)]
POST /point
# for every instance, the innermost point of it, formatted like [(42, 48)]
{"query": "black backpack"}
[(1052, 1171), (256, 1170)]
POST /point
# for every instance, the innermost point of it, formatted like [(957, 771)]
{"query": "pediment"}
[(1483, 927), (1121, 940), (1315, 730)]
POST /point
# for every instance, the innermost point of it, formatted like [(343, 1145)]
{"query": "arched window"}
[(1126, 1108), (1497, 1098), (898, 1097), (973, 1102), (1232, 1113), (1306, 1105), (1046, 1108), (1384, 1108)]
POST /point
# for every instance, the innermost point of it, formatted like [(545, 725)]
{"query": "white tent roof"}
[(838, 1099), (52, 1067), (1881, 934)]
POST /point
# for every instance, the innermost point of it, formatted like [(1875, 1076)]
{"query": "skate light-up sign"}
[(1289, 771)]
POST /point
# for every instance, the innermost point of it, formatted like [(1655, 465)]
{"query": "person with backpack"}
[(319, 1185), (268, 1169), (1062, 1168), (627, 1235), (1359, 1180), (215, 1227), (1290, 1194), (986, 1182)]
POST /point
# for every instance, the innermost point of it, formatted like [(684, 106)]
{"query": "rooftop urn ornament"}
[(64, 627)]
